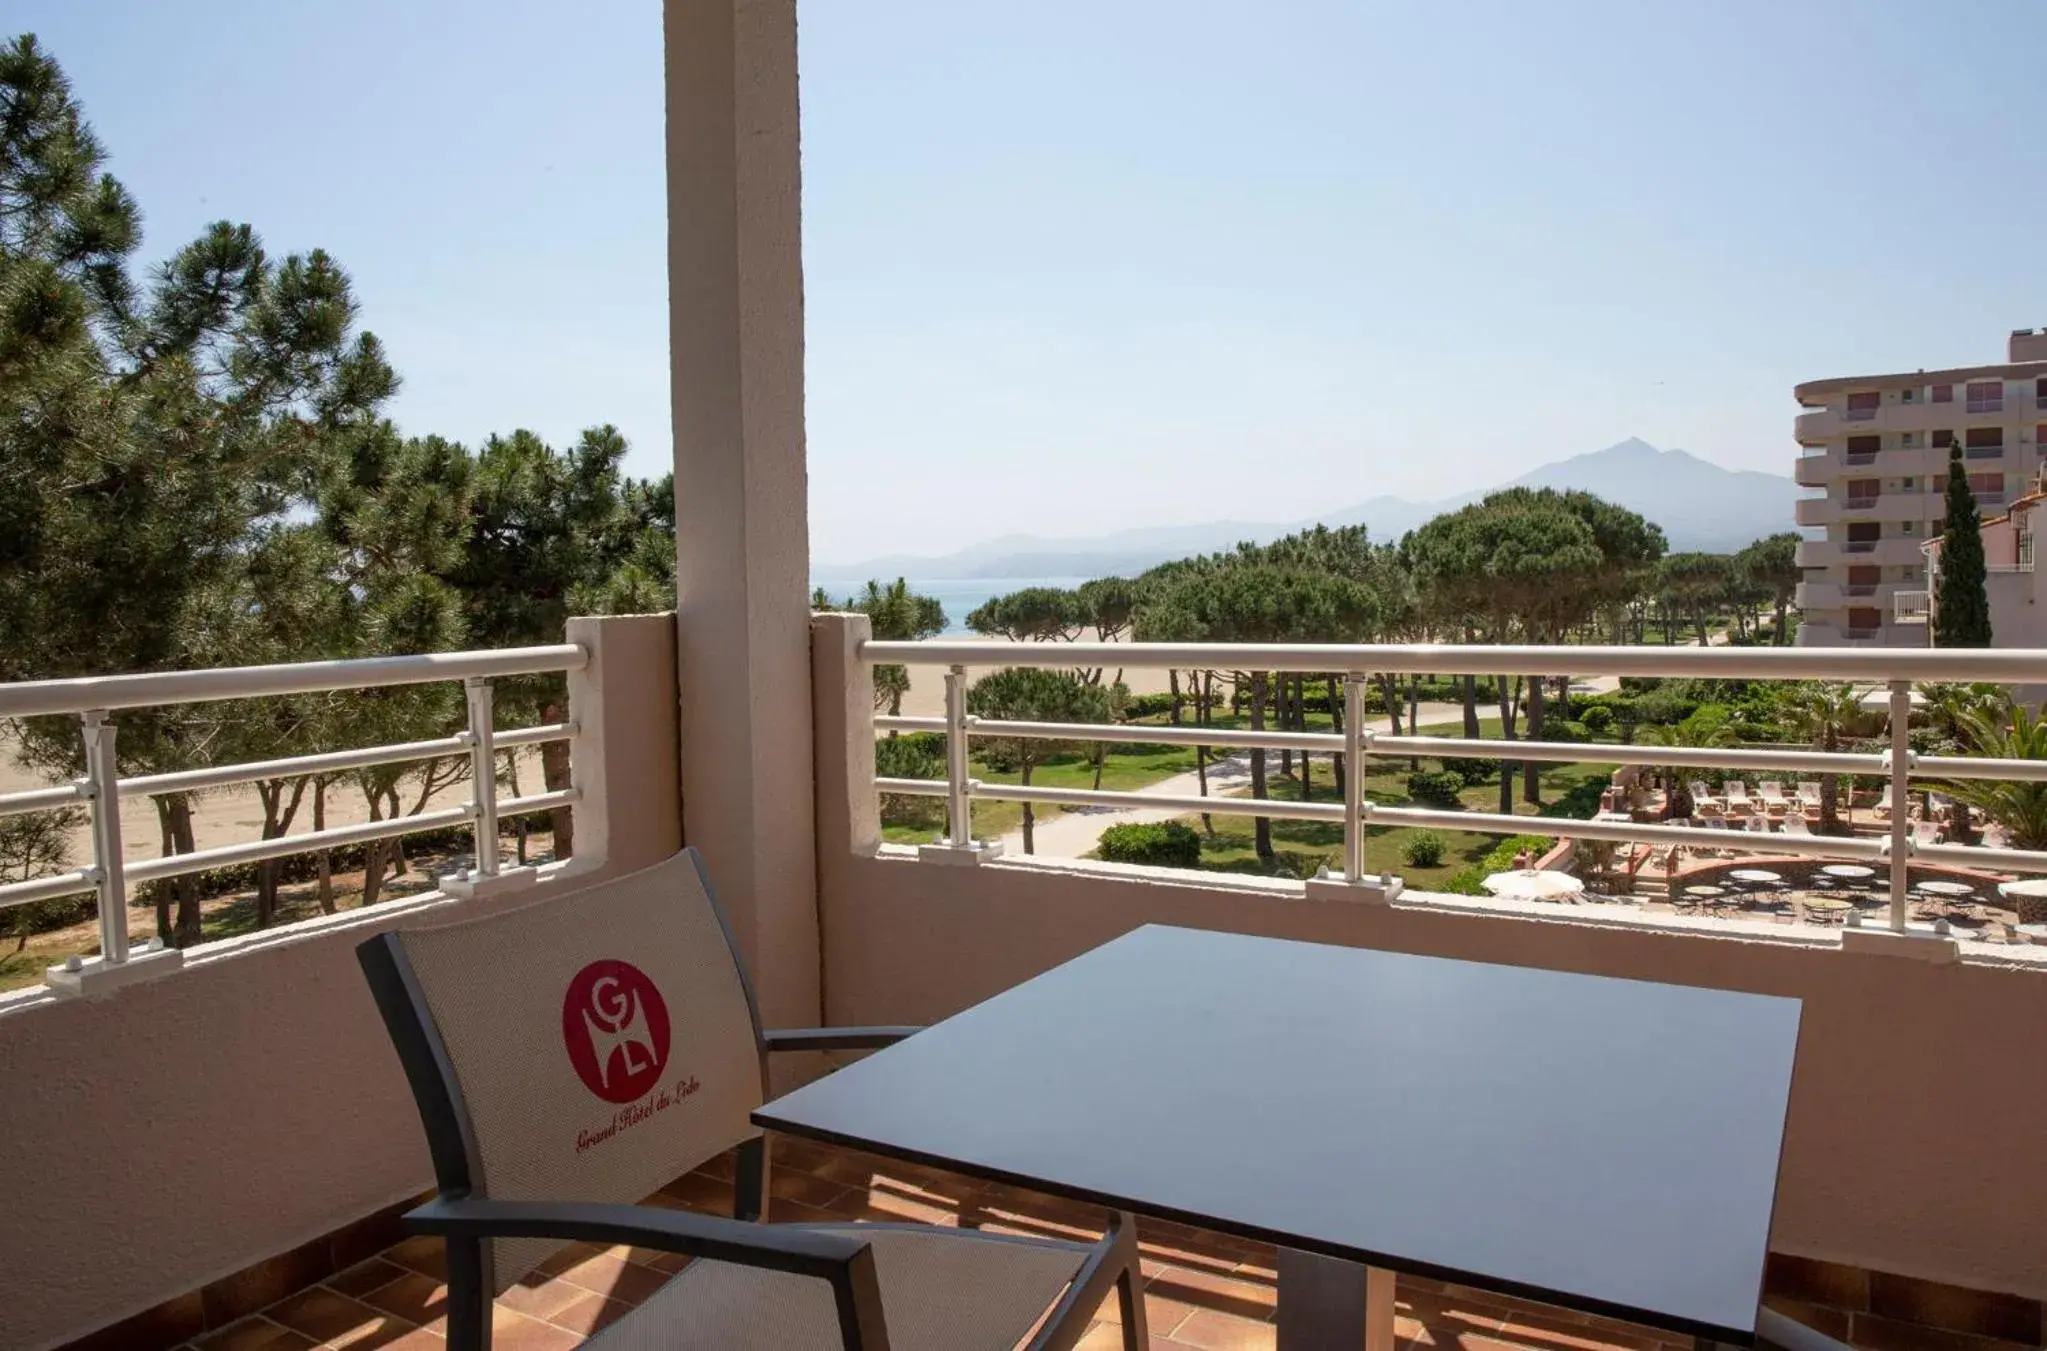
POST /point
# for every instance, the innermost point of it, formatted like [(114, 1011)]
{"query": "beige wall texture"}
[(735, 288), (1917, 1086), (181, 1129)]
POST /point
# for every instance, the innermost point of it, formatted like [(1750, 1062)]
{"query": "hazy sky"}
[(1076, 264)]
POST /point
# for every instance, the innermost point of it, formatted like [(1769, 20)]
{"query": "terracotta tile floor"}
[(1202, 1290)]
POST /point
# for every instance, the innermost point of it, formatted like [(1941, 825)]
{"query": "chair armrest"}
[(834, 1038), (790, 1248)]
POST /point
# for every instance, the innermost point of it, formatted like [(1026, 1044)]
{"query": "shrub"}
[(1471, 771), (1566, 731), (1437, 786), (1150, 705), (1424, 849), (918, 755), (1471, 881), (1598, 720), (1165, 844)]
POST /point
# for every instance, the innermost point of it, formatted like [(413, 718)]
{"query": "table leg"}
[(1326, 1303)]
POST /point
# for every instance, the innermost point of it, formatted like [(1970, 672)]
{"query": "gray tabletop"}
[(1610, 1145)]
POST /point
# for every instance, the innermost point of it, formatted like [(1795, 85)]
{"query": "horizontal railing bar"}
[(1494, 823), (47, 888), (1228, 806), (36, 698), (44, 799), (534, 736), (539, 802), (1634, 753), (330, 762), (913, 787), (1143, 733), (2004, 860), (2010, 666), (904, 723), (1971, 767), (257, 851)]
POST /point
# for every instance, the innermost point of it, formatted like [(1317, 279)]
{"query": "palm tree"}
[(1825, 715), (1949, 708), (1708, 725), (2020, 807)]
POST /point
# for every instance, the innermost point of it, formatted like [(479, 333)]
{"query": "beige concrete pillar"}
[(735, 296), (624, 759), (842, 702)]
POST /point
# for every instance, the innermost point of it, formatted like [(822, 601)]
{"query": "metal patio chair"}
[(572, 1055)]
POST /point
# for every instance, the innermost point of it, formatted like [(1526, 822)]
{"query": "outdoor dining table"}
[(1368, 1112), (1849, 872), (1756, 877), (1949, 890)]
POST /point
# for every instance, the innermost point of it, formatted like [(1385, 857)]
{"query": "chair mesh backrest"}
[(603, 1042)]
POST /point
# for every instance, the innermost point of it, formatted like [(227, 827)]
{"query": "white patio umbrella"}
[(1532, 884)]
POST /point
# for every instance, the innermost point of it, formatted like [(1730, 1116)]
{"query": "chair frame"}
[(836, 1255)]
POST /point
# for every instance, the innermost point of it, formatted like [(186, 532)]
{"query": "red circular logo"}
[(615, 1026)]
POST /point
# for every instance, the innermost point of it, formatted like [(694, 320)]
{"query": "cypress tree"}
[(1961, 615)]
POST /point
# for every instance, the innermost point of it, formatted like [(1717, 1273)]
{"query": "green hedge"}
[(1165, 844), (1470, 881), (1470, 770), (1436, 786)]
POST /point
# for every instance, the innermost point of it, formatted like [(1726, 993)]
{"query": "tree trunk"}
[(160, 890), (1531, 770), (1282, 718), (373, 854), (1782, 620), (1204, 700), (1471, 708), (1414, 716), (1173, 686), (1336, 761), (1261, 826), (324, 861), (1506, 690), (555, 776), (1301, 725), (186, 931), (1030, 821), (278, 814)]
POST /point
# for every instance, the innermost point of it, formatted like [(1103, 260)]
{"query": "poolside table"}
[(1946, 890), (1368, 1112), (1849, 872)]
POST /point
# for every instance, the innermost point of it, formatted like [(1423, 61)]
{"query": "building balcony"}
[(1909, 607), (1816, 596), (242, 1087), (1817, 510), (1818, 425), (1815, 471)]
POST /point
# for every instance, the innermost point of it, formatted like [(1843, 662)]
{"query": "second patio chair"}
[(571, 1056)]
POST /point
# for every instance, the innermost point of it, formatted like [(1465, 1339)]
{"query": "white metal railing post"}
[(959, 809), (1353, 777), (1899, 767), (484, 771), (103, 779)]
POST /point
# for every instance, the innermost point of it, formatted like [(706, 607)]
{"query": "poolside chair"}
[(1794, 824), (1737, 797), (1759, 824), (1809, 794), (1926, 832), (1771, 790), (1702, 795), (572, 1055)]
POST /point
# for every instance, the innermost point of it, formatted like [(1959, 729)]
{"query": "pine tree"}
[(1961, 613)]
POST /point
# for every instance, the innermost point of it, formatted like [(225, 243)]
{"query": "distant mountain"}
[(1698, 504)]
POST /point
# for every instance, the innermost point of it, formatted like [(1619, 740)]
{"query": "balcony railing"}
[(94, 700), (1859, 546), (1899, 765), (1990, 405), (1858, 414), (1908, 607)]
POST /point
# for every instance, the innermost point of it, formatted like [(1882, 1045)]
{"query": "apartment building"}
[(2018, 617), (1873, 455)]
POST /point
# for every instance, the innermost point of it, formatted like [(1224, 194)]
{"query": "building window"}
[(1908, 484), (2026, 549), (1862, 491), (1909, 396), (1986, 396), (1908, 441), (1943, 393), (1987, 485), (1943, 439), (1862, 407)]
